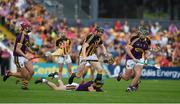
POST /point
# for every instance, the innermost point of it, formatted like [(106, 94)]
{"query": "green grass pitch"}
[(159, 91)]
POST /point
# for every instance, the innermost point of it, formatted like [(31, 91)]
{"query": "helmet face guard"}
[(100, 29), (143, 31), (98, 84)]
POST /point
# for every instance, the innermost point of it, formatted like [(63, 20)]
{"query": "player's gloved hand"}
[(47, 53), (85, 45), (107, 55), (29, 58), (83, 60), (142, 61), (111, 60), (158, 49), (136, 60), (108, 58)]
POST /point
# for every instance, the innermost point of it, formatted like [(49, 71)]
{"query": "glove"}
[(111, 60), (83, 60), (48, 53)]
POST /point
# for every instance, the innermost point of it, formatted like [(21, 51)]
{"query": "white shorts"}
[(73, 84), (65, 59), (86, 63), (20, 61), (130, 64)]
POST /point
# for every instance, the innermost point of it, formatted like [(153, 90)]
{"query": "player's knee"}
[(32, 72), (78, 75), (29, 71), (138, 75), (126, 78), (132, 74), (55, 88), (60, 70), (24, 74), (69, 70), (99, 71)]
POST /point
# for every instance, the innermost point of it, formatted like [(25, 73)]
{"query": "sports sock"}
[(98, 77), (25, 83), (44, 80), (70, 81), (83, 76), (56, 76)]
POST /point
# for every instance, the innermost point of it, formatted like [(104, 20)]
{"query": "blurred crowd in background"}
[(46, 29), (5, 57)]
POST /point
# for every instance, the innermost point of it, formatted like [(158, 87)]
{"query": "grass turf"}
[(159, 91)]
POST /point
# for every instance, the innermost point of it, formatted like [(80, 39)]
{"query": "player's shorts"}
[(64, 59), (89, 58), (88, 64), (20, 61), (130, 64), (73, 85)]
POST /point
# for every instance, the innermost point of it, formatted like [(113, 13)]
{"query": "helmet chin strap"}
[(28, 31)]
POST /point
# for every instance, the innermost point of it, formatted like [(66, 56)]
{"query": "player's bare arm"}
[(18, 50), (104, 49), (85, 45)]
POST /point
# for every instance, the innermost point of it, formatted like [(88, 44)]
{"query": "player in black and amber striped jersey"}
[(88, 54), (64, 44), (94, 41)]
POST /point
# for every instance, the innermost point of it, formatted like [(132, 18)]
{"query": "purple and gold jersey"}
[(84, 87), (139, 47), (24, 40)]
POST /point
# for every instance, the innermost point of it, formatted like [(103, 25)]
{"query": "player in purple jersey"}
[(136, 49), (90, 86), (22, 61)]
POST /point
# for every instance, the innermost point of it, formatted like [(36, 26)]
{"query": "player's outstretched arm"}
[(85, 45), (18, 50), (52, 85), (30, 49), (47, 82), (104, 49)]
